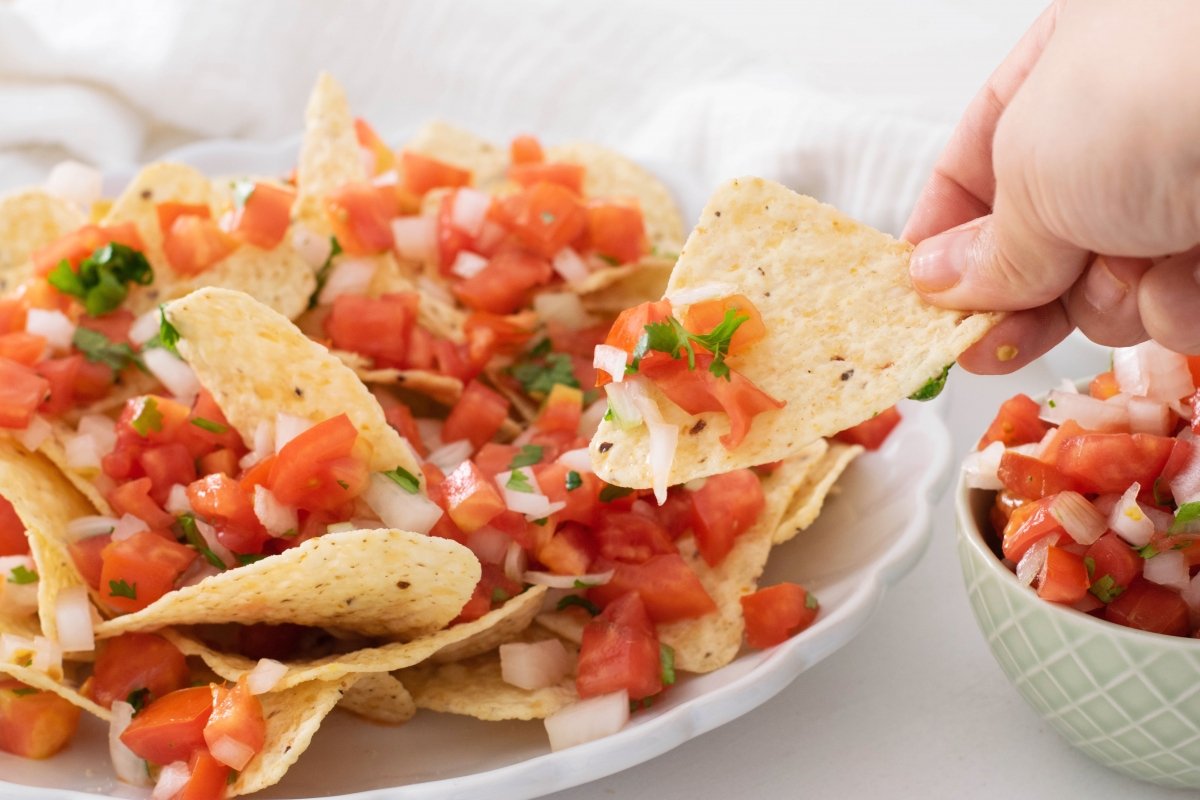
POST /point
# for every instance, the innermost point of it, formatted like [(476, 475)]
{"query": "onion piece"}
[(591, 417), (415, 238), (1090, 413), (587, 720), (563, 308), (128, 766), (172, 373), (34, 434), (468, 211), (567, 581), (1079, 518), (1149, 416), (315, 248), (1129, 521), (705, 291), (348, 276), (82, 452), (664, 439), (47, 657), (449, 456), (612, 360), (102, 429), (515, 562), (1168, 568), (579, 460), (177, 500), (288, 427), (489, 544), (981, 468), (87, 527), (1151, 370), (73, 613), (230, 752), (53, 326), (534, 665), (75, 182), (533, 504), (209, 534), (128, 525), (624, 413), (1030, 565), (171, 779), (265, 676), (467, 264), (398, 508), (264, 440), (277, 518), (570, 266), (340, 527)]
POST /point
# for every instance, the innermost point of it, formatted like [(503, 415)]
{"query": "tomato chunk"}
[(1016, 423), (503, 286), (1111, 462), (33, 723), (477, 416), (263, 218), (422, 173), (617, 232), (21, 392), (139, 570), (632, 538), (236, 729), (568, 176), (209, 778), (472, 500), (317, 470), (1112, 557), (1028, 524), (1149, 607), (376, 327), (873, 432), (702, 317), (13, 541), (666, 584), (361, 217), (546, 217), (493, 590), (619, 651), (525, 149), (1032, 478), (137, 662), (194, 244), (1064, 577), (722, 509), (172, 727), (776, 613)]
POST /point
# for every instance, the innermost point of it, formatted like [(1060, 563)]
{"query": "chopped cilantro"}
[(933, 387), (540, 349), (335, 250), (102, 281), (529, 455), (122, 589), (1106, 589), (810, 601), (610, 493), (670, 337), (1148, 551), (608, 415), (137, 699), (232, 777), (148, 419), (666, 657), (186, 523), (1188, 512), (1052, 403), (541, 521), (1090, 564), (547, 218), (209, 425), (518, 482), (1160, 497), (499, 595), (574, 481), (242, 192), (21, 575), (612, 261), (24, 691), (538, 375), (97, 347), (168, 334), (404, 479), (584, 584), (249, 558), (343, 484), (578, 600)]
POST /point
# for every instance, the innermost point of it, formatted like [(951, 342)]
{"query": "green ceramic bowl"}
[(1127, 698)]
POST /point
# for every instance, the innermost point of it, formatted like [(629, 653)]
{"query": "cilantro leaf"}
[(578, 600), (122, 589), (1089, 564), (810, 601), (168, 334), (404, 479), (335, 250), (574, 480), (21, 575), (529, 455), (242, 192), (1148, 551), (148, 419), (210, 426), (718, 339), (103, 278), (933, 387), (538, 376), (610, 493), (670, 337), (666, 657), (137, 699), (97, 347), (24, 691), (499, 595), (186, 523), (1188, 512), (518, 482), (249, 558), (1106, 589)]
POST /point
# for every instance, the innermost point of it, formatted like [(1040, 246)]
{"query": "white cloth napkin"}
[(122, 82)]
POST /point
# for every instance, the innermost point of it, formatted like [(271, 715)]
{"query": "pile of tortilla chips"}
[(389, 596)]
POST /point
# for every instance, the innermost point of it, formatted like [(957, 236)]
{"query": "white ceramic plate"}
[(870, 534)]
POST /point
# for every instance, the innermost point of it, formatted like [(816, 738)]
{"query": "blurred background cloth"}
[(850, 102)]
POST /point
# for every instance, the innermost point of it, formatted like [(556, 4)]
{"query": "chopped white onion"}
[(398, 508), (664, 439), (209, 534), (415, 238), (145, 327), (82, 452), (1149, 416), (279, 519), (340, 527), (587, 720), (1168, 568), (697, 294), (264, 443), (563, 308), (171, 779), (524, 437), (1067, 385), (231, 752), (695, 484), (128, 766), (102, 429), (449, 456), (347, 276), (1093, 414), (612, 360), (315, 248), (73, 613), (534, 665), (515, 562), (54, 326), (532, 504), (570, 266), (1162, 520), (1151, 370), (1030, 565), (288, 427), (177, 500), (1129, 521), (34, 434), (489, 544), (468, 265), (579, 460), (172, 373), (17, 599), (265, 676), (981, 468), (47, 656), (75, 182), (87, 527), (430, 431), (567, 581), (640, 506), (624, 413), (128, 525), (1079, 518), (468, 210), (591, 417)]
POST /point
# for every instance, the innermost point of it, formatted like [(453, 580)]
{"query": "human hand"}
[(1085, 141)]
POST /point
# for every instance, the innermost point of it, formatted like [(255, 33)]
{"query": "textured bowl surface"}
[(1128, 699)]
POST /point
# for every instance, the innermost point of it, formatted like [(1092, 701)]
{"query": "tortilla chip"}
[(518, 616), (52, 448), (293, 717), (29, 220), (379, 697), (156, 183), (847, 337), (256, 364), (644, 280), (567, 624), (329, 154), (610, 174), (375, 582), (384, 658), (486, 162), (712, 641), (40, 680), (806, 504), (445, 389), (437, 315)]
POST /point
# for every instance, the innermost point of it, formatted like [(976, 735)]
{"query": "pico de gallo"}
[(1098, 492)]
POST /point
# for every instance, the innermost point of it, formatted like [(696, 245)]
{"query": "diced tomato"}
[(13, 312), (871, 433), (477, 416), (72, 380), (1149, 607), (545, 217), (1111, 462), (702, 317), (317, 470), (1031, 478), (504, 284), (172, 727), (494, 458), (134, 498), (193, 244), (1067, 430), (1112, 557), (361, 217), (472, 500), (451, 359), (561, 411), (616, 231), (525, 149), (569, 551), (208, 779), (488, 334), (1104, 386), (422, 173), (237, 715), (632, 538), (224, 461), (493, 590), (375, 327), (168, 212), (667, 585), (114, 325), (724, 508), (451, 240), (263, 218), (568, 176), (368, 139), (1026, 525), (582, 502), (1064, 577), (228, 506), (79, 244), (400, 417), (21, 392), (166, 466), (619, 651), (1016, 423), (34, 723), (13, 541), (631, 323), (139, 570), (23, 348), (87, 555), (777, 613), (133, 662)]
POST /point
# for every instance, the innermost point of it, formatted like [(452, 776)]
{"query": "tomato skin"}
[(237, 715), (561, 411), (422, 173), (1149, 607), (619, 651), (166, 466), (34, 724), (1110, 462), (172, 727), (148, 562), (317, 470), (629, 326), (1114, 558), (569, 551), (722, 509), (87, 557), (617, 231), (472, 500), (494, 458), (194, 244), (1026, 525), (1016, 423), (264, 217), (871, 433), (776, 613), (525, 149), (13, 541), (631, 538), (134, 661), (503, 286), (702, 317), (72, 380), (209, 779), (134, 498), (493, 590), (361, 215), (668, 587), (21, 392), (1064, 577), (582, 502), (545, 217), (23, 348), (477, 416), (379, 328), (228, 506), (568, 176), (1031, 478)]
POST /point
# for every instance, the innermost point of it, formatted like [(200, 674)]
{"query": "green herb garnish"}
[(249, 558), (578, 600), (574, 481), (670, 337), (148, 419), (242, 192), (1106, 589), (168, 334), (97, 347), (810, 601), (539, 375), (24, 691), (529, 455), (22, 575), (499, 595), (103, 279), (1090, 564), (186, 523), (335, 250), (209, 425), (404, 479), (610, 493), (1188, 512), (666, 657), (137, 699), (933, 387), (1147, 551), (518, 482), (122, 589)]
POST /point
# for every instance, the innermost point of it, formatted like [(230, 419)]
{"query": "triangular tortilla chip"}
[(442, 141), (329, 154), (28, 220), (58, 684), (847, 336), (805, 505), (379, 697)]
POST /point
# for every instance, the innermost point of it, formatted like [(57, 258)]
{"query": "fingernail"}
[(1101, 289), (938, 262)]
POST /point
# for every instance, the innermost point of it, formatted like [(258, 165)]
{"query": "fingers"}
[(1017, 340), (963, 183), (1168, 299), (1103, 304)]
